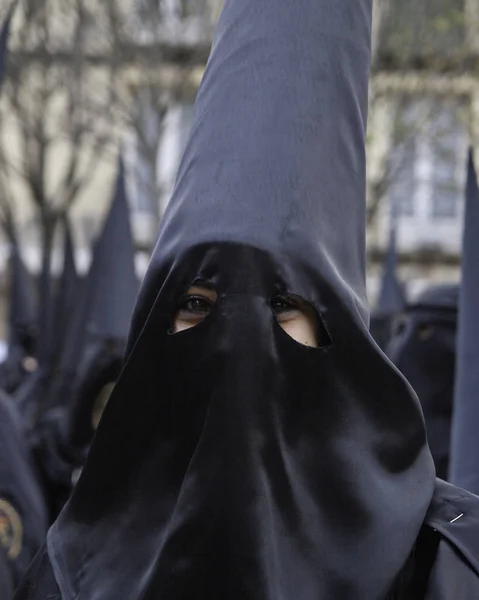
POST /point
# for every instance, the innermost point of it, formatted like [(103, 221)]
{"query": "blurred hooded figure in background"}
[(20, 362), (392, 296), (258, 444), (423, 348), (23, 515), (91, 354)]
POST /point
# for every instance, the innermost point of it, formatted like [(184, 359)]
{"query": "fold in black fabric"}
[(233, 462)]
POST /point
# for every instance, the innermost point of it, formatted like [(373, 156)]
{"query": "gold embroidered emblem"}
[(11, 530)]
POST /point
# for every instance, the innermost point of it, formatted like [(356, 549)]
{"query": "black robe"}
[(446, 566)]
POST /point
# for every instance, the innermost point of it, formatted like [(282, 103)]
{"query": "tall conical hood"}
[(105, 303), (114, 281), (66, 296), (277, 148), (22, 311), (232, 461), (464, 461), (392, 298)]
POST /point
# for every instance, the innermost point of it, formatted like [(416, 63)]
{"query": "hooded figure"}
[(23, 518), (22, 325), (59, 302), (423, 348), (233, 460), (93, 350), (464, 468), (392, 299)]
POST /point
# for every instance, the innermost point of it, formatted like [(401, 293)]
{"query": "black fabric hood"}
[(64, 304), (423, 348), (233, 462), (106, 300), (22, 310), (392, 298), (464, 467)]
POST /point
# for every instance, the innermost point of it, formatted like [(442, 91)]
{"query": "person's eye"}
[(193, 308), (196, 306), (283, 306)]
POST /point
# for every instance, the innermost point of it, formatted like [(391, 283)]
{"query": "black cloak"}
[(423, 348), (23, 518), (233, 462)]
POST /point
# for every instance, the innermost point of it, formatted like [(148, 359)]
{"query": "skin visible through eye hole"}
[(295, 316)]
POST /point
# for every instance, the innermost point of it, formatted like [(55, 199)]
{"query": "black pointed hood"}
[(114, 281), (232, 461), (65, 298), (36, 394), (22, 309), (464, 466), (108, 293), (392, 298), (423, 348)]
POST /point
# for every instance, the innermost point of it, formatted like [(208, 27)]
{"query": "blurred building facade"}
[(424, 116)]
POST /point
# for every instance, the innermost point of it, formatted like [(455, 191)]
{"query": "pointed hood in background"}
[(22, 310), (105, 302), (423, 348), (114, 282), (464, 460), (33, 397), (66, 295), (392, 298)]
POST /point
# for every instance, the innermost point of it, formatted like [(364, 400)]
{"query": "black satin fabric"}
[(259, 467), (424, 350), (444, 564), (233, 462)]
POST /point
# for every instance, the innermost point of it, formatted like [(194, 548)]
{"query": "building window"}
[(172, 10), (447, 139), (427, 158), (175, 131), (402, 160)]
